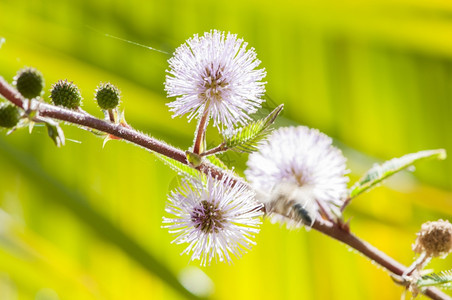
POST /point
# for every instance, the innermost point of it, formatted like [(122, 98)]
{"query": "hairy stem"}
[(201, 131), (325, 211), (10, 93), (418, 264), (331, 229), (346, 203), (111, 116), (117, 130), (220, 148)]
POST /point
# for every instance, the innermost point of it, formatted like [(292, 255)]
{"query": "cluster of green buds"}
[(29, 82), (67, 94)]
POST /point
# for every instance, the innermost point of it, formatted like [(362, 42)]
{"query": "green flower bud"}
[(66, 94), (107, 96), (29, 82), (9, 115)]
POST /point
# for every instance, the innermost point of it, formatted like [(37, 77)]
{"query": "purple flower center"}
[(207, 217), (213, 83)]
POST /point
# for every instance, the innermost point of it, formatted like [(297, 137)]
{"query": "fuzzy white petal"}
[(232, 213), (301, 165), (215, 70)]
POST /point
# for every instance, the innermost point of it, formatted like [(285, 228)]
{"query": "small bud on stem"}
[(66, 94), (107, 96), (29, 82), (9, 115)]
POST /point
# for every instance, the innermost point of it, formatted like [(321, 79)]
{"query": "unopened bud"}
[(107, 96), (9, 115), (29, 82), (66, 94)]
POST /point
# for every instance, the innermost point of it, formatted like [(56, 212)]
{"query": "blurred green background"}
[(84, 222)]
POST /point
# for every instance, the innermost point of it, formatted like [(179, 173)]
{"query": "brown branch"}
[(117, 130), (220, 148), (10, 93)]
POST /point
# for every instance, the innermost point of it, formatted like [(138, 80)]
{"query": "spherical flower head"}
[(107, 96), (9, 115), (297, 172), (66, 94), (217, 218), (434, 239), (217, 72), (29, 82)]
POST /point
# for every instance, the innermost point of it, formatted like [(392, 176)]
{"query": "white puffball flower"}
[(296, 171), (216, 218), (215, 70)]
